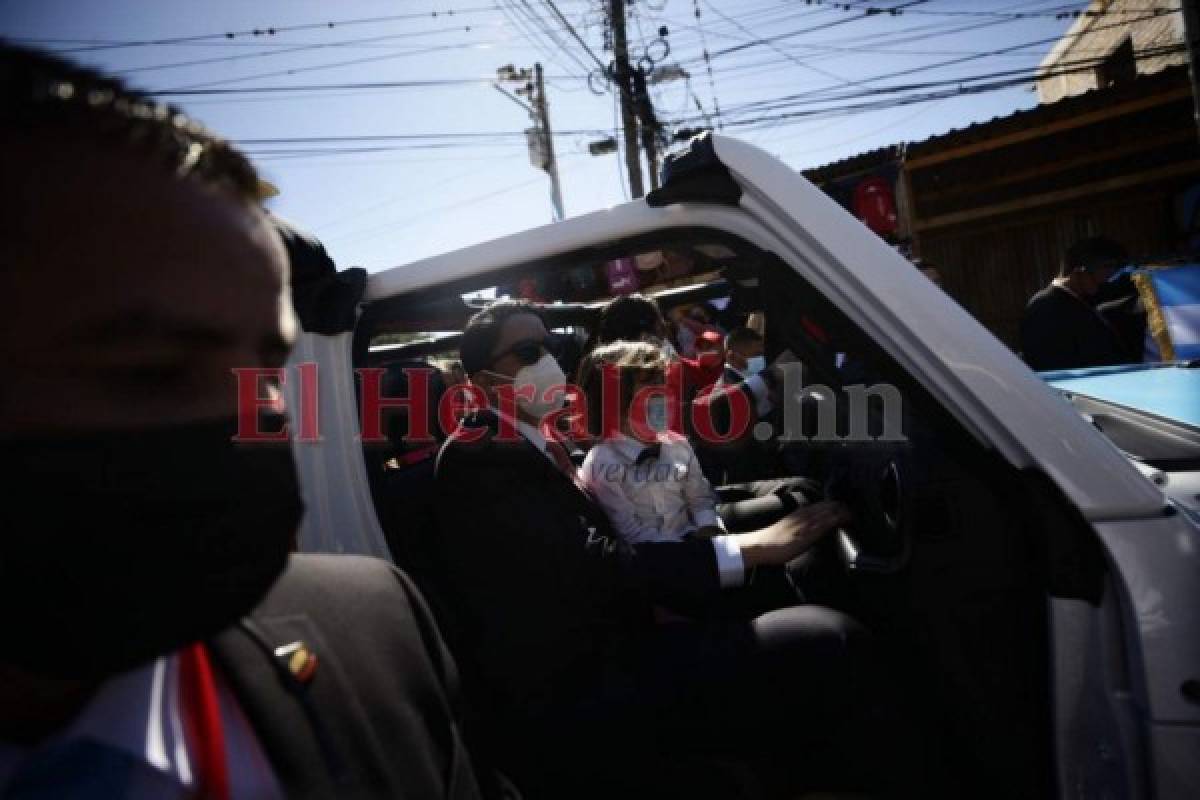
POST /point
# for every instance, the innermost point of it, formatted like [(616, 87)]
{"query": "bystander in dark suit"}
[(1061, 328)]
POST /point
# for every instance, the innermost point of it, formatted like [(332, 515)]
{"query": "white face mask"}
[(542, 376), (755, 364)]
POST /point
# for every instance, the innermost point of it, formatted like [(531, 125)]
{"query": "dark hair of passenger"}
[(1094, 252), (741, 336), (629, 317), (634, 362), (45, 96), (482, 332)]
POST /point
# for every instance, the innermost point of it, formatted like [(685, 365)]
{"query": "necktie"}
[(561, 459), (80, 768)]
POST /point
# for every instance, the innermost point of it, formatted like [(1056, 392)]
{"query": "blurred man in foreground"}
[(159, 641)]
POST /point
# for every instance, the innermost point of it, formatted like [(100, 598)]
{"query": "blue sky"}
[(393, 201)]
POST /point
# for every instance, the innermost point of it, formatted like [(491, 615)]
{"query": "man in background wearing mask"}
[(559, 612), (158, 639), (743, 355), (1062, 328)]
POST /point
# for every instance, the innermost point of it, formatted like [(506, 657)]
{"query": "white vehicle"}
[(1036, 595)]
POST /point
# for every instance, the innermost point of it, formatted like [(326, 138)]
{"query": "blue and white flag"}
[(1172, 299)]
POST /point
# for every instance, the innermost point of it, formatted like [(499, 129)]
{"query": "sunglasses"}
[(527, 351)]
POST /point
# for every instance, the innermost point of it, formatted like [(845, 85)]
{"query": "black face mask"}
[(118, 547)]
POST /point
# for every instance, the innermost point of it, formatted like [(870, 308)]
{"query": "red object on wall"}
[(875, 205)]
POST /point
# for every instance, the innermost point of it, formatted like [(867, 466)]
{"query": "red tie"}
[(202, 721), (561, 459)]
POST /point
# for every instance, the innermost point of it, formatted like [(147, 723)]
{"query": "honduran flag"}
[(1172, 299)]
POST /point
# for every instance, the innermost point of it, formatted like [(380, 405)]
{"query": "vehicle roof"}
[(979, 380), (1171, 390)]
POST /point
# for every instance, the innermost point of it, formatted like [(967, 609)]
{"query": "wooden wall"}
[(993, 267), (995, 206)]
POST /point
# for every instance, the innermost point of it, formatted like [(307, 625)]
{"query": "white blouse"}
[(661, 499)]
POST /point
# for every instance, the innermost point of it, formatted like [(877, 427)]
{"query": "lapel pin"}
[(300, 661)]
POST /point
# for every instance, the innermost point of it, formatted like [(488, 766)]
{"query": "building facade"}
[(994, 206), (1112, 43)]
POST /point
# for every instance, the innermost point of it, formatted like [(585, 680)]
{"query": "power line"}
[(575, 33), (874, 132), (454, 135), (951, 62), (372, 85), (708, 68), (781, 51), (327, 65), (1022, 75), (790, 34), (927, 31), (295, 49), (750, 69), (357, 214), (1058, 15), (275, 30), (824, 95), (539, 24), (955, 89), (375, 231), (513, 13)]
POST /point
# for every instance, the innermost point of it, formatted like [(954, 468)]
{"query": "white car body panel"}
[(1150, 618), (1157, 576)]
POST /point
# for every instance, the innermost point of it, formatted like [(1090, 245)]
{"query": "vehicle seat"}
[(403, 471), (402, 475)]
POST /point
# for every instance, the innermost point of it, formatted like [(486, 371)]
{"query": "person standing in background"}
[(1061, 328)]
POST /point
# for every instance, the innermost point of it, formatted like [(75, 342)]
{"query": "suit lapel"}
[(315, 733), (580, 498), (522, 455)]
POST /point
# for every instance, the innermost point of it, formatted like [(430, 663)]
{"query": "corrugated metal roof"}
[(1093, 100), (859, 163), (1163, 80)]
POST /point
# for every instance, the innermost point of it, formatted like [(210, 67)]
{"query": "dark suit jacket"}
[(1059, 331), (545, 589), (379, 716)]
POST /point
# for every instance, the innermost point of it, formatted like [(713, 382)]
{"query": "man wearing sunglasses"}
[(560, 615)]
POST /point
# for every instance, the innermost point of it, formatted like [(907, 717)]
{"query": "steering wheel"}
[(875, 484)]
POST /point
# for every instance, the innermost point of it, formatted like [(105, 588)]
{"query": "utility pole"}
[(543, 113), (539, 137), (624, 78), (649, 122), (1191, 31)]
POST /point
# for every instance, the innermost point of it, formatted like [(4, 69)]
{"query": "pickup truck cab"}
[(1035, 593)]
